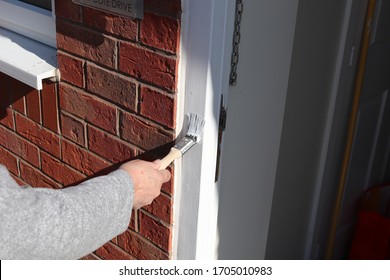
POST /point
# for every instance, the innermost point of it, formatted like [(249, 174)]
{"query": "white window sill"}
[(27, 60)]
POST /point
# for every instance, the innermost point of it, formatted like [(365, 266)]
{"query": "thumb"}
[(166, 175)]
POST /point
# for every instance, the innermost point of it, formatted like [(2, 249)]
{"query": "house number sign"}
[(127, 8)]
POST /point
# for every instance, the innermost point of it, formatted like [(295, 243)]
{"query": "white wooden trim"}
[(205, 52), (28, 20)]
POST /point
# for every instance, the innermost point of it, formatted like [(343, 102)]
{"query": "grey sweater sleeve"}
[(40, 223)]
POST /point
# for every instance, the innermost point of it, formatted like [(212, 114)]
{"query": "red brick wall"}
[(116, 101)]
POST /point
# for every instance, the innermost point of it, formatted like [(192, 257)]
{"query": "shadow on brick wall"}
[(12, 92), (151, 155), (79, 39)]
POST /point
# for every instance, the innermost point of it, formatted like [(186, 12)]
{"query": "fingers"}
[(147, 180)]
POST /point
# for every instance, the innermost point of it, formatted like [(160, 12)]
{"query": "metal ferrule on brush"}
[(185, 144)]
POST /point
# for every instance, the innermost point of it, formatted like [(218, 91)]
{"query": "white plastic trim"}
[(28, 20), (26, 60)]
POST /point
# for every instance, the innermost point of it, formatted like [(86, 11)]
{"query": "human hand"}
[(147, 179)]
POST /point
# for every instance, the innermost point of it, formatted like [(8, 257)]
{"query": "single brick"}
[(170, 8), (57, 170), (71, 69), (81, 159), (17, 92), (36, 178), (139, 247), (144, 135), (19, 146), (158, 107), (109, 147), (111, 251), (9, 160), (155, 231), (86, 43), (161, 207), (50, 106), (68, 10), (33, 106), (147, 65), (88, 108), (160, 32), (117, 26), (19, 105), (41, 137), (7, 118), (73, 129), (116, 88)]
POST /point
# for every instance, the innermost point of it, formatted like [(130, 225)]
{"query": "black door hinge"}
[(222, 127), (222, 118)]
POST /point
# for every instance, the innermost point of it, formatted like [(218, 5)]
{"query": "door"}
[(369, 161), (255, 109)]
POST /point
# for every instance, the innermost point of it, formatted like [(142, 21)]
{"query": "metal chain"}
[(236, 41)]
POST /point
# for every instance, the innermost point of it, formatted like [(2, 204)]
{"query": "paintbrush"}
[(194, 133)]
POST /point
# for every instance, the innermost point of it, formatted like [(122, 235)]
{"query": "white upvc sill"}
[(27, 60)]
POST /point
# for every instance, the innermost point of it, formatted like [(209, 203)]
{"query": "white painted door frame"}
[(205, 67), (205, 58)]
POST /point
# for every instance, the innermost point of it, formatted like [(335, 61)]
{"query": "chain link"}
[(236, 41)]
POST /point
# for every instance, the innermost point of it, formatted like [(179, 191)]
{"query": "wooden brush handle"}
[(173, 154)]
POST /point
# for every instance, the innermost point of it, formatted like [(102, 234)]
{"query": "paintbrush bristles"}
[(195, 126), (194, 132)]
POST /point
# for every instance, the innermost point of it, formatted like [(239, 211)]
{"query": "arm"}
[(42, 223), (39, 223)]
